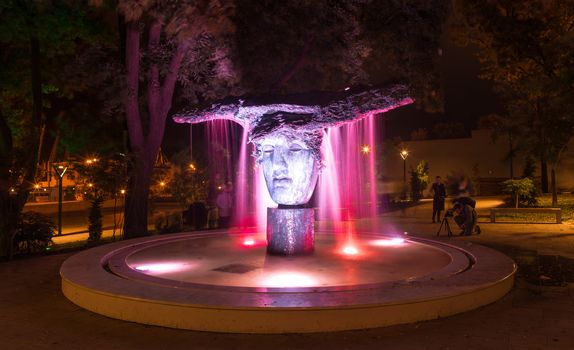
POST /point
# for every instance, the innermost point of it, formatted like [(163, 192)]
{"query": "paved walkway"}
[(35, 314)]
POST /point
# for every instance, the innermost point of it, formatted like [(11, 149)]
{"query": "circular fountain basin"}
[(227, 283)]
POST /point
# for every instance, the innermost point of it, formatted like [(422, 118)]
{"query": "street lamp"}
[(404, 154), (60, 170)]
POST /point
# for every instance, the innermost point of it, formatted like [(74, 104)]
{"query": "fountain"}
[(295, 279)]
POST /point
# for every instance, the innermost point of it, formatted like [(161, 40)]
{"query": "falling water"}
[(242, 185), (347, 186)]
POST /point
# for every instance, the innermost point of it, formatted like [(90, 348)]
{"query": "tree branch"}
[(153, 84), (132, 79), (289, 73)]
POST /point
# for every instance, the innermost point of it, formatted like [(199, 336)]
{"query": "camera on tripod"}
[(449, 213)]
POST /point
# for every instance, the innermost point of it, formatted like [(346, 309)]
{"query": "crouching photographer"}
[(465, 216)]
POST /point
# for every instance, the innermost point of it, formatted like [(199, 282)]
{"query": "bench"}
[(556, 211)]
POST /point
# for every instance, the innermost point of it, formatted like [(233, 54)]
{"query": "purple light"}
[(159, 268), (393, 242)]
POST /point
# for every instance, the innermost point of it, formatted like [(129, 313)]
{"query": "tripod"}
[(444, 223)]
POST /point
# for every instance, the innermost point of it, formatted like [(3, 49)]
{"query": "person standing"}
[(438, 196), (225, 205)]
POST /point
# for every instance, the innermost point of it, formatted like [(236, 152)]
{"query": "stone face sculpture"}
[(288, 137), (289, 167)]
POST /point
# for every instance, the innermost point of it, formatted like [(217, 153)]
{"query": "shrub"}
[(419, 180), (522, 190), (95, 220), (34, 233)]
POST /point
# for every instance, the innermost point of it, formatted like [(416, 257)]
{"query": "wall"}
[(477, 156)]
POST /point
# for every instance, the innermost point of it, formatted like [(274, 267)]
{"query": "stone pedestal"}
[(290, 231)]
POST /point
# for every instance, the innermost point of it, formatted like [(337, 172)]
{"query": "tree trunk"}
[(553, 187), (11, 204), (516, 199), (145, 147), (543, 174), (136, 207)]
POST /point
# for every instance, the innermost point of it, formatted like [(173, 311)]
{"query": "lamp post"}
[(60, 170), (404, 154)]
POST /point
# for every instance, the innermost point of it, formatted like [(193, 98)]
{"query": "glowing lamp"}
[(366, 149), (36, 186), (123, 191), (404, 154), (162, 184), (89, 161)]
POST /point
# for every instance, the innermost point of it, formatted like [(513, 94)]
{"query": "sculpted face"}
[(290, 169)]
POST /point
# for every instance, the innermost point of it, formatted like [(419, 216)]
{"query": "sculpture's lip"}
[(282, 182)]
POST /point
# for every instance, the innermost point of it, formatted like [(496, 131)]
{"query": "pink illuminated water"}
[(220, 150), (346, 189), (347, 186)]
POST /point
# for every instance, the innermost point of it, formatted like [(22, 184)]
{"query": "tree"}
[(176, 32), (39, 40), (526, 49), (521, 190), (305, 45), (419, 180)]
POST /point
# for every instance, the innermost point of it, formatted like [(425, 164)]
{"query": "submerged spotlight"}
[(350, 250), (248, 242)]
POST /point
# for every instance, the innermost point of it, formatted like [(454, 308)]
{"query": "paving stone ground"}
[(536, 314)]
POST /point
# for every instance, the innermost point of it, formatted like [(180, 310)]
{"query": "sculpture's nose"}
[(279, 163)]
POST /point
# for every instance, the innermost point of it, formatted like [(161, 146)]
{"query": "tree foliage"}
[(522, 190), (419, 180), (303, 45), (527, 49)]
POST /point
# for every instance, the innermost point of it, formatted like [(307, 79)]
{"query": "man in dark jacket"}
[(438, 191)]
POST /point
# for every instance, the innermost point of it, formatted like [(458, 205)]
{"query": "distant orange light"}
[(36, 186), (366, 149), (404, 154), (90, 185), (191, 166), (89, 161), (123, 191), (162, 184)]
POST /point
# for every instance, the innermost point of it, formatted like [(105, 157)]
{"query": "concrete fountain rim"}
[(87, 282)]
